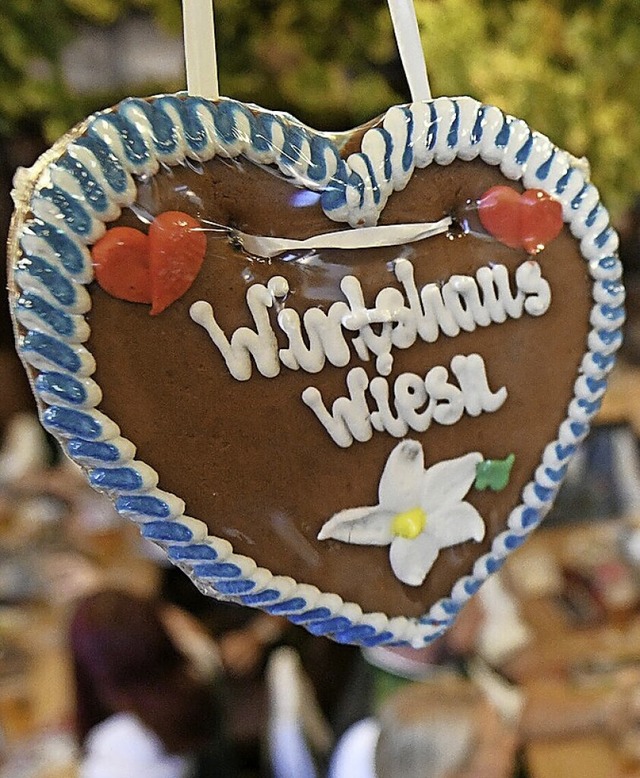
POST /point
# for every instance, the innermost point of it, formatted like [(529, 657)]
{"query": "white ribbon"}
[(407, 32), (200, 48), (358, 238)]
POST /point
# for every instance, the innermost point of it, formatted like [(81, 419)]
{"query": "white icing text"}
[(397, 319), (462, 303), (417, 401)]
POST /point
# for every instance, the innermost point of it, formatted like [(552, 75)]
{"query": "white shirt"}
[(122, 747), (354, 756)]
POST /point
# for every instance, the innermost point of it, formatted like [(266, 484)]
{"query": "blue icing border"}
[(109, 163), (52, 350), (53, 264), (50, 277), (89, 451), (63, 386), (75, 216), (62, 246)]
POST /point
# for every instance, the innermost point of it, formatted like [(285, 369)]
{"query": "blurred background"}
[(571, 69)]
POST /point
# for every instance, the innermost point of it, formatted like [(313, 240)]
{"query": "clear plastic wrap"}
[(360, 362)]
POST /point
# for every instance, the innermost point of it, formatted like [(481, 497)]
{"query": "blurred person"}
[(299, 738), (247, 640), (443, 728), (487, 638), (244, 637), (447, 730), (491, 650), (450, 727), (142, 708)]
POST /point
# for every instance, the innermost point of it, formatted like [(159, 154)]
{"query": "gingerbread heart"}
[(362, 406), (121, 264)]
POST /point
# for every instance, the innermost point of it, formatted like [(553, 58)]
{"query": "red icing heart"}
[(530, 220), (157, 268), (540, 220), (177, 246), (499, 212), (121, 264)]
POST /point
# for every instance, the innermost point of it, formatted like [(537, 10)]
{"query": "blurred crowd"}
[(173, 684)]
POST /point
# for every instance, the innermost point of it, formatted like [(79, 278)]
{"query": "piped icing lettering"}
[(417, 401), (401, 317)]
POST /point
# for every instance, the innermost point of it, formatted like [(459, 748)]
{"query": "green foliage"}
[(569, 67), (33, 34), (320, 59)]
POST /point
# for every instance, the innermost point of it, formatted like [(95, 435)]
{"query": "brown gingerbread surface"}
[(249, 457)]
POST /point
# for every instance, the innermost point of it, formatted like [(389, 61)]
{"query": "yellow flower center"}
[(409, 524)]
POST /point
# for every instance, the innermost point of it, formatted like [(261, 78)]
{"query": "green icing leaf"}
[(494, 474)]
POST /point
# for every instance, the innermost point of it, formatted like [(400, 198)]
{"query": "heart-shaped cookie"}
[(362, 405)]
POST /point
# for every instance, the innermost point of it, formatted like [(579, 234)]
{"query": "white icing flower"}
[(420, 511)]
